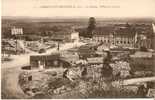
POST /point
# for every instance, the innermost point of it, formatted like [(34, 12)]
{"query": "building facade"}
[(147, 43), (66, 35), (75, 36), (16, 31), (48, 61), (86, 51), (123, 37)]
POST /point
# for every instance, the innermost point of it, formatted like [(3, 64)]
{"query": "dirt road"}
[(10, 87)]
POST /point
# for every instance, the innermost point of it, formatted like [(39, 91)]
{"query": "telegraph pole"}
[(16, 43), (58, 46)]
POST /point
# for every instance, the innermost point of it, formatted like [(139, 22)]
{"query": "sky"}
[(82, 8)]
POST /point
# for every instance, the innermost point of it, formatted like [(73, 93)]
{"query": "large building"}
[(124, 36), (86, 51), (16, 31), (144, 36), (143, 41), (66, 35)]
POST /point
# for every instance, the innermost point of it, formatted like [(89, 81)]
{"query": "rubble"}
[(151, 93), (43, 82), (53, 83), (74, 73), (122, 68), (94, 71), (143, 73)]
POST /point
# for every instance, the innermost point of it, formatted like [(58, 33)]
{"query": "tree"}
[(106, 69), (91, 26)]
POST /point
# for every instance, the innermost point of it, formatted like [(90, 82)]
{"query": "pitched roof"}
[(125, 31), (142, 55), (64, 31), (103, 30)]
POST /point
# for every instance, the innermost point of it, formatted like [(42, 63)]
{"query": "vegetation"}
[(91, 26)]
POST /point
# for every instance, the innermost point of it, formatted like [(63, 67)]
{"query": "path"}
[(10, 87)]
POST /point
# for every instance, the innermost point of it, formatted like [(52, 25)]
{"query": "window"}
[(29, 78), (128, 42), (121, 42)]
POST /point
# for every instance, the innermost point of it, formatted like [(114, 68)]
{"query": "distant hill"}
[(75, 19)]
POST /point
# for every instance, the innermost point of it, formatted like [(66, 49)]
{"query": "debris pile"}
[(94, 71), (74, 73), (143, 73), (44, 83), (119, 86), (121, 68), (151, 93), (92, 84)]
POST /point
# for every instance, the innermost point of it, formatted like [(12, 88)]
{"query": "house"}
[(48, 61), (86, 51), (75, 36), (11, 46), (71, 57), (16, 31), (145, 35), (65, 35)]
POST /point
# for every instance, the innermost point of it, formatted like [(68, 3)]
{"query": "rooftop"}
[(140, 54), (127, 31), (103, 30)]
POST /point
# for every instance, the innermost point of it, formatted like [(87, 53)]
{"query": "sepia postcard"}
[(77, 49)]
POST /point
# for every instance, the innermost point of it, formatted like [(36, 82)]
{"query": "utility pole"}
[(58, 46), (16, 43)]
